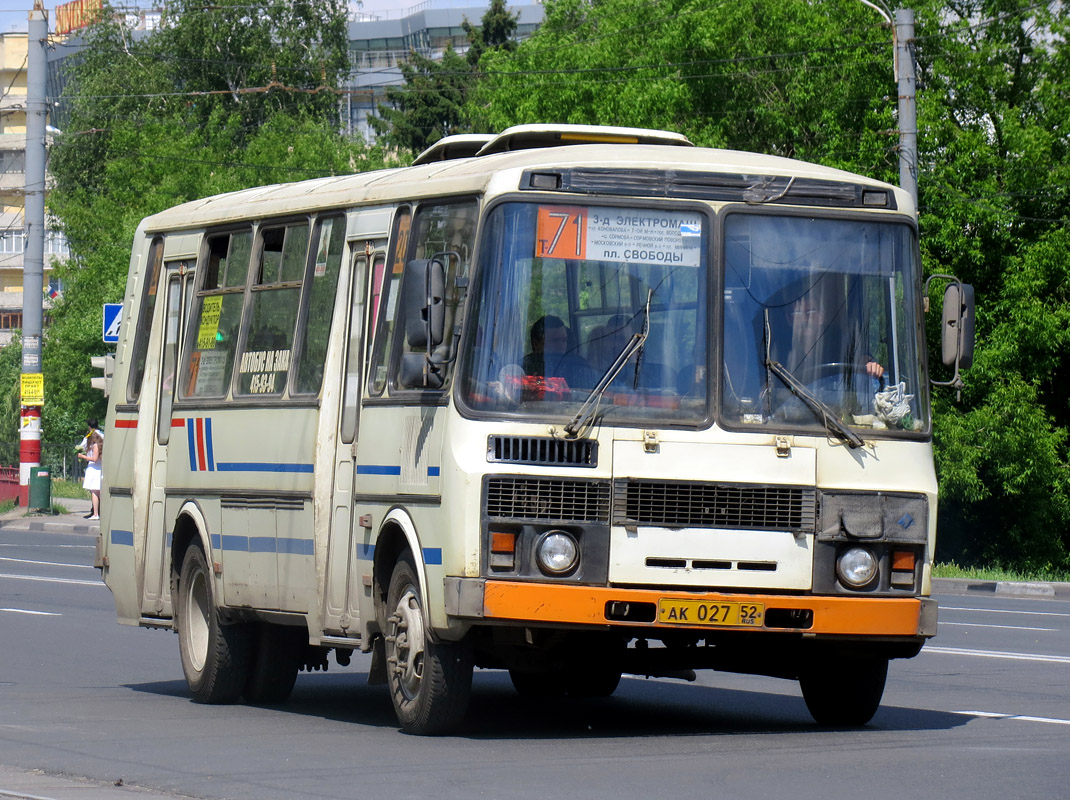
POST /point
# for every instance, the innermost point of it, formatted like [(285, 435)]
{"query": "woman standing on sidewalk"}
[(93, 452)]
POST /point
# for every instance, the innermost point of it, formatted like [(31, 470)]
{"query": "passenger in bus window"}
[(551, 355)]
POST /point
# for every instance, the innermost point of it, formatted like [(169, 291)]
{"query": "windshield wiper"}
[(631, 347), (825, 414)]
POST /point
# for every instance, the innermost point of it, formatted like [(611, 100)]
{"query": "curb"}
[(1002, 588)]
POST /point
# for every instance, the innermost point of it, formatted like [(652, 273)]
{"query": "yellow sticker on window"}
[(211, 310)]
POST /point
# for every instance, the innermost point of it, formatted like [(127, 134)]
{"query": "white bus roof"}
[(474, 175)]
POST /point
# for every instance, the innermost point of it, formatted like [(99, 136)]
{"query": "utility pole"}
[(908, 114), (33, 269), (903, 41)]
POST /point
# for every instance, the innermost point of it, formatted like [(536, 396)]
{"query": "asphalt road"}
[(983, 712)]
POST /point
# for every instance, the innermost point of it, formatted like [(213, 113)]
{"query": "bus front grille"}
[(542, 451), (535, 498), (686, 504)]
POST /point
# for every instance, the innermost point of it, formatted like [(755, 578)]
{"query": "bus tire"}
[(430, 682), (215, 655), (844, 693), (275, 663)]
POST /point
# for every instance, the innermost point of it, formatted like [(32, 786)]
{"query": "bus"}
[(572, 402)]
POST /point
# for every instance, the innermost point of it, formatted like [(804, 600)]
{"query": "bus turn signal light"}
[(502, 550)]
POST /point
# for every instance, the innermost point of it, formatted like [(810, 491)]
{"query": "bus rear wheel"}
[(844, 693), (430, 682), (276, 662), (215, 655)]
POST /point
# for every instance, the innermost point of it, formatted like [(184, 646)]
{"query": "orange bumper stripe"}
[(586, 605)]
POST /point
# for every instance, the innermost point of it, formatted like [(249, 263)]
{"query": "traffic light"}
[(107, 366)]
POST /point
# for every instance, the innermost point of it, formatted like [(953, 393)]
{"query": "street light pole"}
[(33, 268)]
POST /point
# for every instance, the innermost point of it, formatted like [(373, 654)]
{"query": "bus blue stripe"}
[(377, 469), (234, 542), (432, 555), (265, 466), (296, 547), (261, 544), (122, 537), (208, 442), (432, 472), (192, 446)]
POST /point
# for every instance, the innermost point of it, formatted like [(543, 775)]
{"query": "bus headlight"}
[(856, 567), (557, 552)]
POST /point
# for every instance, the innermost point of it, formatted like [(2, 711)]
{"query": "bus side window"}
[(445, 232), (144, 321), (322, 283), (384, 294), (217, 316), (267, 351)]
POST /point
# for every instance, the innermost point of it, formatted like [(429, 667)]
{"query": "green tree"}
[(432, 101), (497, 30), (428, 106)]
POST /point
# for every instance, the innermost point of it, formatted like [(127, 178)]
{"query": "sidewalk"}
[(74, 521), (21, 784)]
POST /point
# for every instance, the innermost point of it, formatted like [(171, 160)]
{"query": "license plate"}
[(705, 612)]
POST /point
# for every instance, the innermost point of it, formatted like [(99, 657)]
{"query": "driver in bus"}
[(552, 357), (812, 337)]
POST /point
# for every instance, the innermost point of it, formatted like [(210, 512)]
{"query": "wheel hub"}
[(407, 637)]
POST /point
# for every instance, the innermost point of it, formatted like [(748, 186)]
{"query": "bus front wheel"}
[(215, 655), (844, 693), (430, 682)]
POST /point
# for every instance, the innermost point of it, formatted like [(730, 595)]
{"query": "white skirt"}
[(91, 482)]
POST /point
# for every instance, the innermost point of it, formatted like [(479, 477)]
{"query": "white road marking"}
[(1022, 717), (50, 580), (983, 625), (962, 651), (47, 563), (1006, 611), (35, 613)]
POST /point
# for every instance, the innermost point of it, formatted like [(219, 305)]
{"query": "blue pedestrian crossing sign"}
[(113, 316)]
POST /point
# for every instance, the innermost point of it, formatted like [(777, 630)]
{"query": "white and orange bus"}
[(572, 402)]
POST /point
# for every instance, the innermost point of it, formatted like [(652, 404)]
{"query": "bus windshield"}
[(820, 324), (563, 291)]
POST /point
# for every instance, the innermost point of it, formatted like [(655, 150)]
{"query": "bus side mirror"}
[(424, 302), (956, 331)]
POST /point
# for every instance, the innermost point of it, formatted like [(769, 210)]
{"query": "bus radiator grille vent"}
[(547, 499), (542, 451), (684, 504)]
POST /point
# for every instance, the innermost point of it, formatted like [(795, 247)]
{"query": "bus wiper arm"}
[(586, 411), (631, 347), (823, 412)]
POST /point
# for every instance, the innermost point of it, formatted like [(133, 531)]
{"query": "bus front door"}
[(156, 593), (345, 565)]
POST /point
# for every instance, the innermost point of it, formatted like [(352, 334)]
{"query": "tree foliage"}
[(430, 104), (222, 97)]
